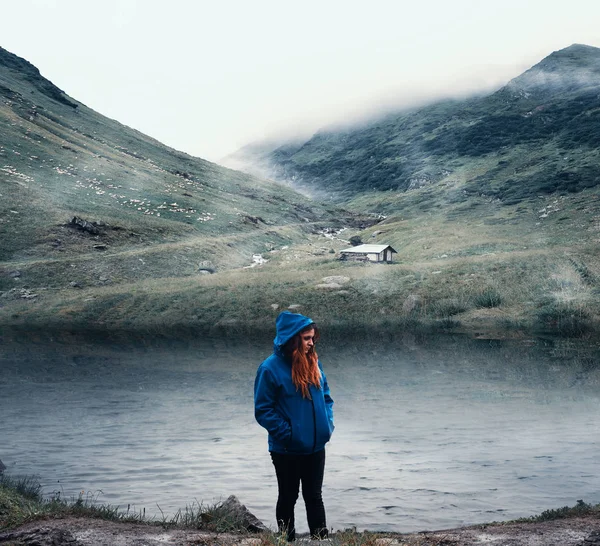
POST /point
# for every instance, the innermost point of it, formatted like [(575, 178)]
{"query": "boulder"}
[(206, 266), (329, 286), (84, 225), (238, 512)]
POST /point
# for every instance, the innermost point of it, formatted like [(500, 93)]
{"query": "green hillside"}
[(542, 127), (491, 202), (151, 211)]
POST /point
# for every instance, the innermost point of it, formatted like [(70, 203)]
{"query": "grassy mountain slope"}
[(549, 114), (157, 212), (492, 202), (153, 223)]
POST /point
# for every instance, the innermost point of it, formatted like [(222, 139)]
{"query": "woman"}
[(292, 401)]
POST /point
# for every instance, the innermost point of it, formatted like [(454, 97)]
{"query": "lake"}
[(430, 433)]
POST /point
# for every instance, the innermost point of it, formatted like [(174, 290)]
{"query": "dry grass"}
[(464, 264), (528, 290)]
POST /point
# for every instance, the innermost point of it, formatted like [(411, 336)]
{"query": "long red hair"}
[(305, 366)]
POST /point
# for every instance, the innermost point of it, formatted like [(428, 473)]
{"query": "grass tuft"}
[(488, 298), (27, 486), (580, 509), (21, 501), (565, 319), (209, 517)]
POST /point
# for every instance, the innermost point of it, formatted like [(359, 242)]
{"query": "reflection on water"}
[(428, 435)]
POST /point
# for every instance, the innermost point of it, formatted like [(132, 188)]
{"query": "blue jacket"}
[(296, 425)]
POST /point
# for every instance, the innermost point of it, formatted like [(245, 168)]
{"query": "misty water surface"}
[(428, 435)]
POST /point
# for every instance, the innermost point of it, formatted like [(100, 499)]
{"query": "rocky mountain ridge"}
[(60, 160), (550, 111)]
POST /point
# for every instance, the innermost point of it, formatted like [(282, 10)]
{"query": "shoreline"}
[(263, 331), (79, 531), (27, 518)]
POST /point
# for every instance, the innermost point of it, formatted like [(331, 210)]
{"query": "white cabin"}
[(371, 253)]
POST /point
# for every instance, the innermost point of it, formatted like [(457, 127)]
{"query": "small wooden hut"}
[(370, 253)]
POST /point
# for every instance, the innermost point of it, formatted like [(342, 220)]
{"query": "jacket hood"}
[(288, 325)]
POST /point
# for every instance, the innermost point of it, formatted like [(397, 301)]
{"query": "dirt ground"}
[(578, 531)]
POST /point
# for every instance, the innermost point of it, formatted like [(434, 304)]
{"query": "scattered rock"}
[(257, 259), (74, 284), (412, 303), (100, 247), (419, 182), (18, 293), (84, 225), (294, 306), (274, 306), (241, 514), (15, 274), (247, 219)]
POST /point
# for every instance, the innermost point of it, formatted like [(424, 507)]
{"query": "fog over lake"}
[(430, 433)]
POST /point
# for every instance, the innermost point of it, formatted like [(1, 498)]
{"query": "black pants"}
[(291, 470)]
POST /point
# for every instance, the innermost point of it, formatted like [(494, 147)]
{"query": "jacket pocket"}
[(299, 441)]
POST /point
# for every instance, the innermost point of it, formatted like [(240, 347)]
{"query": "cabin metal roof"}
[(367, 249)]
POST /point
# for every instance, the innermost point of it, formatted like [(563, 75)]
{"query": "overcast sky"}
[(208, 77)]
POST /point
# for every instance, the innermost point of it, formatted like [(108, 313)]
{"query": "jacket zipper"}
[(314, 424), (291, 435)]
